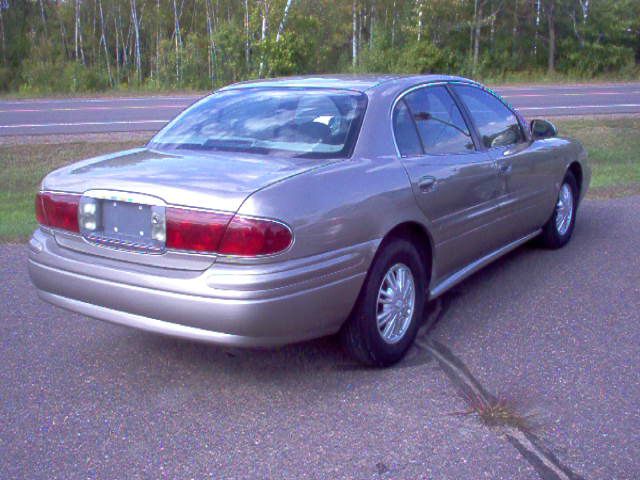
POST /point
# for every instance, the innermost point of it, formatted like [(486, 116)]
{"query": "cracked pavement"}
[(557, 333)]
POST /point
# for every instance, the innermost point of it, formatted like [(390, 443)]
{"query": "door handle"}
[(505, 168), (426, 183)]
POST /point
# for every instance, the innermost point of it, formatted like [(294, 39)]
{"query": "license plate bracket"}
[(123, 222)]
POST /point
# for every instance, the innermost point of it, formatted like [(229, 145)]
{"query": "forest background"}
[(71, 46)]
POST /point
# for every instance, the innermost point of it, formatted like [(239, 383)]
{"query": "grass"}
[(529, 77), (22, 167), (613, 146), (614, 152)]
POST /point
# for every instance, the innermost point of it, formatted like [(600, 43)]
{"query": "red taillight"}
[(190, 230), (255, 236), (58, 210), (224, 233), (195, 230), (41, 218)]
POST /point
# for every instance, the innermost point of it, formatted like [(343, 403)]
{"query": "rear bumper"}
[(239, 305)]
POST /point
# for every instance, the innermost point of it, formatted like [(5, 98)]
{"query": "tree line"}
[(91, 45)]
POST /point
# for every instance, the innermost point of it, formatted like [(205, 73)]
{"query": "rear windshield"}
[(318, 123)]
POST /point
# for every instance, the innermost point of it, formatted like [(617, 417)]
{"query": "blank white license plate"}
[(126, 221)]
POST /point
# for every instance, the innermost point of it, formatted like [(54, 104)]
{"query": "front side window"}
[(315, 123), (439, 121), (497, 125)]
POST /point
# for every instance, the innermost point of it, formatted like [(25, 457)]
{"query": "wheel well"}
[(576, 169), (419, 236)]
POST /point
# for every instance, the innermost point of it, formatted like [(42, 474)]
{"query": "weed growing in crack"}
[(498, 413)]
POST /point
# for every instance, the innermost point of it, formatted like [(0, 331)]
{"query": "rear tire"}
[(385, 319), (557, 232)]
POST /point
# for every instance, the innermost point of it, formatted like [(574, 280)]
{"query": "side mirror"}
[(543, 129)]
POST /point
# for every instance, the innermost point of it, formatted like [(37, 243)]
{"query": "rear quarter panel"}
[(347, 203)]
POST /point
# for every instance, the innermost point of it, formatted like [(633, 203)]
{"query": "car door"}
[(522, 167), (455, 184)]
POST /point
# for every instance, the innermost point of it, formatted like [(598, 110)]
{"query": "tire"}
[(555, 233), (362, 337)]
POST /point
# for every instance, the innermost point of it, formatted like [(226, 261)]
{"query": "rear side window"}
[(405, 131), (497, 125), (439, 121)]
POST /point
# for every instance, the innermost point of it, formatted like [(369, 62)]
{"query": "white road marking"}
[(99, 100), (579, 86), (80, 109), (583, 94), (573, 107), (78, 124), (180, 106)]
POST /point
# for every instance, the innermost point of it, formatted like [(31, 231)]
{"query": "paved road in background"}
[(94, 115), (555, 332)]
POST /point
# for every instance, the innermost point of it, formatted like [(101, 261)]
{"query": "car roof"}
[(359, 83)]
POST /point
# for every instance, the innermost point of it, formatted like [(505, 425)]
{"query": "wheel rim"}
[(564, 209), (396, 303)]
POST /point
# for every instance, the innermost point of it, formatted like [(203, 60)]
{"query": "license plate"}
[(123, 224)]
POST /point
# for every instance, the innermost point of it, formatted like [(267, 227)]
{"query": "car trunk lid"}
[(211, 181)]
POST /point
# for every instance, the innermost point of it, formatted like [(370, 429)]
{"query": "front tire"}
[(557, 232), (386, 316)]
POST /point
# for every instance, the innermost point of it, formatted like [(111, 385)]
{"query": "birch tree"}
[(419, 2), (212, 45), (78, 33), (178, 42), (2, 38), (157, 41), (136, 28), (284, 20), (44, 19), (247, 41), (116, 21), (354, 38), (103, 42), (263, 35)]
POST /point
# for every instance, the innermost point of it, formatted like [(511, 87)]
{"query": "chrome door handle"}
[(426, 183)]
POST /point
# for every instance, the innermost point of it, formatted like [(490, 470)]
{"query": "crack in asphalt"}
[(542, 459), (425, 349)]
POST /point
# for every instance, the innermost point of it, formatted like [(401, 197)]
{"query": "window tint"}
[(405, 131), (497, 125), (439, 121)]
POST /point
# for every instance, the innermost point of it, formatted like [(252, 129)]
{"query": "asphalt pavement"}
[(556, 334), (150, 113)]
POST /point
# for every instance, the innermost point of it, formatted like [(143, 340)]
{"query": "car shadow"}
[(324, 354)]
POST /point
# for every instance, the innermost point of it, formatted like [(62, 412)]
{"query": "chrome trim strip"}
[(59, 192), (122, 196), (476, 265), (122, 244)]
